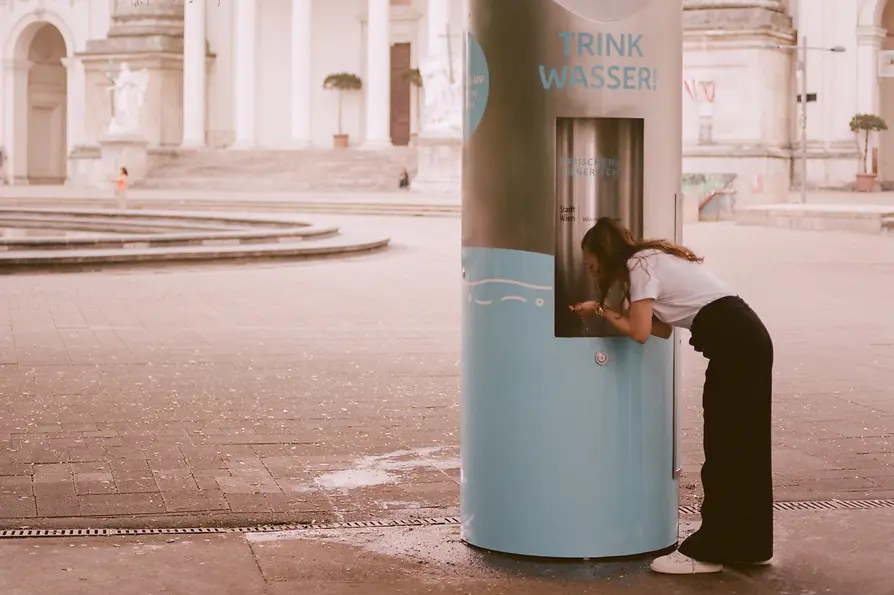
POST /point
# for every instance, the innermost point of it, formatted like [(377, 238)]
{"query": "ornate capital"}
[(735, 15), (774, 5)]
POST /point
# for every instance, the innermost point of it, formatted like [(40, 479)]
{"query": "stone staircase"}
[(313, 170)]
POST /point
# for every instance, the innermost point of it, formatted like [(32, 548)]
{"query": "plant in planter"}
[(414, 77), (342, 82), (867, 124)]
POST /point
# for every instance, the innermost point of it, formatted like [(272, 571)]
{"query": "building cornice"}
[(750, 150), (398, 13), (774, 5), (739, 150), (163, 60), (758, 39), (730, 16)]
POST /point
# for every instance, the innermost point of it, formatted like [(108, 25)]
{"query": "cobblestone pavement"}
[(329, 390)]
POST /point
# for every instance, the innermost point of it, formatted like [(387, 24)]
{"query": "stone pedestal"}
[(128, 151), (439, 165), (85, 167)]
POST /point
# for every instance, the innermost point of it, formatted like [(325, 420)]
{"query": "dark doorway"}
[(400, 94)]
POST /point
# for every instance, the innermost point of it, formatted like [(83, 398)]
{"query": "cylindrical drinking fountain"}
[(568, 432)]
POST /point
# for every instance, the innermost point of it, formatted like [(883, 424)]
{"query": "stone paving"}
[(241, 394), (431, 560)]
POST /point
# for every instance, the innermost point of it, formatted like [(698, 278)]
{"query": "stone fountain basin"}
[(146, 229), (163, 236)]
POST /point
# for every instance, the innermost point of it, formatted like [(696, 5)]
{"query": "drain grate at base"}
[(803, 506), (29, 533), (815, 505)]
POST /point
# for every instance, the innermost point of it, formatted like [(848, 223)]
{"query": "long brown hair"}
[(613, 245)]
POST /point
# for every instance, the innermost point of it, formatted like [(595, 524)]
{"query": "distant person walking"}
[(121, 189), (404, 182), (666, 285)]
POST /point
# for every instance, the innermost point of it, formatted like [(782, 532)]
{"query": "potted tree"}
[(866, 123), (414, 77), (342, 82)]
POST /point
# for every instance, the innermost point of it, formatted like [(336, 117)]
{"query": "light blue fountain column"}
[(568, 431)]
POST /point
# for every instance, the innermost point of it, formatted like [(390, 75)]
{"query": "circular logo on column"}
[(477, 84), (603, 10), (601, 358)]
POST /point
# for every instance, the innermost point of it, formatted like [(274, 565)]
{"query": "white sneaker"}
[(677, 563)]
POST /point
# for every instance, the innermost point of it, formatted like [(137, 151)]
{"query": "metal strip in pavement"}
[(801, 506), (31, 533)]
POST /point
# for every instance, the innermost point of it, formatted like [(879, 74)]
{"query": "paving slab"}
[(221, 565), (835, 553), (330, 391)]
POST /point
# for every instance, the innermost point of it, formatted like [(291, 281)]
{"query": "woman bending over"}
[(666, 285)]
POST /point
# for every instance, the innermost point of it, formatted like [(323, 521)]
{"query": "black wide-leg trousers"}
[(737, 477)]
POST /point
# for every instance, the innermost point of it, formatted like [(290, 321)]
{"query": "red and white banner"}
[(709, 91), (691, 89), (700, 90)]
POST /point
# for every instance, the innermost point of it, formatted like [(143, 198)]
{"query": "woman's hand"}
[(588, 309)]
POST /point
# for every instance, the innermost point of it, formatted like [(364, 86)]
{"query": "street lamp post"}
[(802, 49), (803, 63)]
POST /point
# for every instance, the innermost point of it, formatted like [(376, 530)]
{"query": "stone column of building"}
[(302, 44), (15, 101), (194, 83), (869, 42), (378, 74), (869, 98), (3, 140), (831, 145), (75, 105), (245, 14)]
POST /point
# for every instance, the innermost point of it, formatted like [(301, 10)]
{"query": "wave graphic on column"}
[(498, 284)]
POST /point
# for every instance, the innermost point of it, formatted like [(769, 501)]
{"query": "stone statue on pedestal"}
[(443, 115), (440, 141), (128, 90)]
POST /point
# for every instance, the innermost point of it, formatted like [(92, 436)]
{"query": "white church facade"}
[(242, 74), (248, 75)]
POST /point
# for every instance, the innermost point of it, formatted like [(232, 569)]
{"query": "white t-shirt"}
[(679, 287)]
